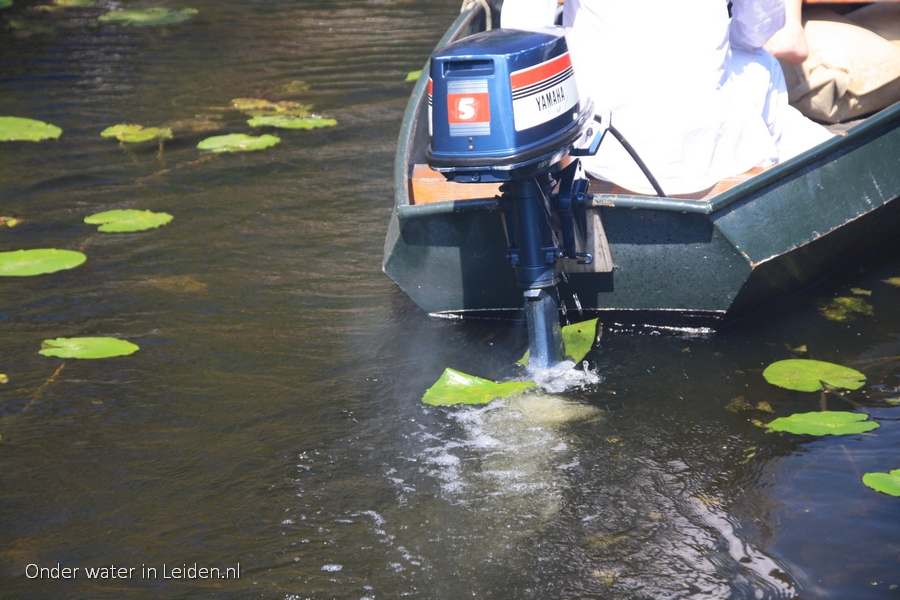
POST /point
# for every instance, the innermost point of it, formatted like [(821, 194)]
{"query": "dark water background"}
[(272, 415)]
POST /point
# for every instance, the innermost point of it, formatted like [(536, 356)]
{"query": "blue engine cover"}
[(500, 98)]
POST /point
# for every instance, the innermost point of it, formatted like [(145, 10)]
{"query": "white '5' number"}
[(466, 108)]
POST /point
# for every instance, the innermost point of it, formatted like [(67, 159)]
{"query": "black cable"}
[(637, 159)]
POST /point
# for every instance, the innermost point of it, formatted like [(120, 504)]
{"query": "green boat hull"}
[(677, 262)]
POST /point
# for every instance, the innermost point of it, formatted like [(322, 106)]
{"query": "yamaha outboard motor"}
[(505, 108)]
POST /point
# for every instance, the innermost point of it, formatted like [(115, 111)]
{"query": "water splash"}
[(563, 376)]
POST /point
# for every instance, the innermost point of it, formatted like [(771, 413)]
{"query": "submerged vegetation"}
[(148, 16)]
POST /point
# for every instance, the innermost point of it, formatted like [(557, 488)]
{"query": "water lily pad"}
[(824, 423), (806, 375), (88, 347), (133, 134), (17, 129), (23, 263), (120, 221), (578, 339), (454, 387), (888, 483), (148, 16), (238, 142), (289, 122), (845, 308)]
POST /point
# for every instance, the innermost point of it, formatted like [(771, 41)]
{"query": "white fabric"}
[(689, 88), (528, 14)]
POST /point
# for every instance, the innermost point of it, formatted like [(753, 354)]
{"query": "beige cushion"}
[(882, 18), (851, 72)]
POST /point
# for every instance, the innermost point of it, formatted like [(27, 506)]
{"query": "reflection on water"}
[(272, 415)]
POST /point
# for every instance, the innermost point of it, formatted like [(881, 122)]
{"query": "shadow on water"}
[(272, 417)]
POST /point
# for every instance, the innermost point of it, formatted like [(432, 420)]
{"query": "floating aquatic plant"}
[(18, 129), (888, 483), (454, 387), (825, 422), (238, 142), (88, 347), (127, 220), (578, 339), (148, 16), (24, 263), (806, 375), (845, 308), (133, 134), (289, 122)]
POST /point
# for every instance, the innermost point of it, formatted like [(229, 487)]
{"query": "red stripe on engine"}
[(540, 72)]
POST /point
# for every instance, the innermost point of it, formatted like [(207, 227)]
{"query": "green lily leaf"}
[(88, 347), (133, 134), (148, 16), (120, 221), (808, 375), (17, 129), (23, 263), (824, 423), (288, 122), (578, 339), (889, 483), (454, 387), (413, 75), (238, 142)]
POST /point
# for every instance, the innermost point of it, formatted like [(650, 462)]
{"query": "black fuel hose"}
[(637, 159)]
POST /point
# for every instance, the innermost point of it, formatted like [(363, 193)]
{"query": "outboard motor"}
[(505, 108)]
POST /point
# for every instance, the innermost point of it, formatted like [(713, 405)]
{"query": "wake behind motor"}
[(504, 107)]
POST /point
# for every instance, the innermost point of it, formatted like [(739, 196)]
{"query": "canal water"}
[(270, 428)]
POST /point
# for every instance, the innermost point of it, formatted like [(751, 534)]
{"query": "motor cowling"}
[(503, 104)]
